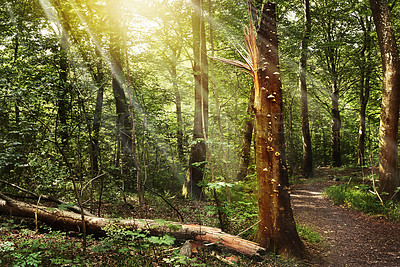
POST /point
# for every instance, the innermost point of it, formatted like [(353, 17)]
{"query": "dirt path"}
[(351, 238)]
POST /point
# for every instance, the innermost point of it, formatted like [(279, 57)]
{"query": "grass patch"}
[(361, 197), (308, 234)]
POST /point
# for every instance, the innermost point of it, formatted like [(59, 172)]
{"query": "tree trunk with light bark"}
[(388, 131)]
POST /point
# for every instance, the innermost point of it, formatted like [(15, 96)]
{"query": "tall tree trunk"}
[(124, 123), (331, 63), (120, 98), (307, 150), (336, 158), (63, 89), (217, 106), (99, 78), (388, 131), (198, 149), (132, 124), (178, 105), (277, 228), (247, 137), (365, 75)]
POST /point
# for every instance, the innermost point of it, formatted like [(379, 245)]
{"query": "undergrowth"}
[(20, 245), (361, 197)]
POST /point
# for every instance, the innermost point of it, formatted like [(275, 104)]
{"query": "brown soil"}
[(351, 237)]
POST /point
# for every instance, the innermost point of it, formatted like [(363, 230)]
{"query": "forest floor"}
[(351, 238)]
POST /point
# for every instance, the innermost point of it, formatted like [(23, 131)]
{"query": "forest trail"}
[(351, 238)]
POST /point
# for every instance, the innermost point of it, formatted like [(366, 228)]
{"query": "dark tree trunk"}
[(122, 108), (63, 90), (178, 105), (307, 150), (198, 149), (365, 75), (245, 155), (331, 63), (388, 132), (277, 229), (336, 124), (99, 78)]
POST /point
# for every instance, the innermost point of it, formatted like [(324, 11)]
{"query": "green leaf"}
[(164, 240)]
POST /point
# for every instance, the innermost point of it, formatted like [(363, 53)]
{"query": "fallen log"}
[(70, 221)]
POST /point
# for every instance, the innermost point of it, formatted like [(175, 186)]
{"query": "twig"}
[(373, 181), (248, 228)]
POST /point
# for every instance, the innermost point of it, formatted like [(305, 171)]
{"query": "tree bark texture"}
[(306, 135), (388, 131), (277, 229), (70, 221), (198, 149)]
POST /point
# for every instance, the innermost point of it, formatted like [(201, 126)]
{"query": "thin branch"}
[(166, 201), (393, 4)]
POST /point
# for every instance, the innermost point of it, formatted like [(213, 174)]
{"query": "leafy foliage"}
[(362, 197)]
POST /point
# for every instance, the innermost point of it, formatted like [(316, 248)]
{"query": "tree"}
[(277, 229), (247, 137), (332, 31), (388, 131), (365, 77), (126, 124), (64, 88), (306, 136), (249, 121), (200, 124)]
